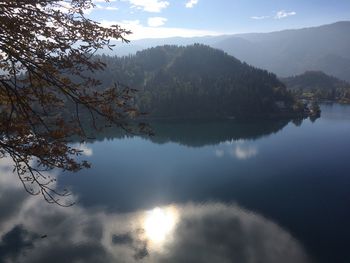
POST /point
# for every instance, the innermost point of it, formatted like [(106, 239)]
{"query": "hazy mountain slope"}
[(317, 85), (314, 80), (289, 52), (123, 49)]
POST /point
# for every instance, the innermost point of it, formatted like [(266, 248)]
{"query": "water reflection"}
[(241, 150), (126, 195), (159, 224), (84, 148), (243, 153), (199, 133), (34, 231)]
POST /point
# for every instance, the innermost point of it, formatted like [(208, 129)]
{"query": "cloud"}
[(156, 21), (140, 31), (191, 3), (259, 17), (283, 14), (279, 15), (100, 7), (103, 1), (110, 8), (152, 6), (65, 6)]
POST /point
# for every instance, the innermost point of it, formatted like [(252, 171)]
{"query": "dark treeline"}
[(198, 82), (316, 85)]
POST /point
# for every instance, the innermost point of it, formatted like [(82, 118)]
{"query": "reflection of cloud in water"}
[(220, 233), (237, 149), (86, 151), (244, 152), (211, 232), (219, 153), (159, 224)]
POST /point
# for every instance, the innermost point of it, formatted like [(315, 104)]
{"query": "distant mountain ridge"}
[(289, 52)]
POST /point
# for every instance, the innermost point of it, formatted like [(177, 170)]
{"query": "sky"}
[(188, 18)]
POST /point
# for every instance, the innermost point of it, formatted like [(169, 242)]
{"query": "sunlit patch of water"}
[(159, 224)]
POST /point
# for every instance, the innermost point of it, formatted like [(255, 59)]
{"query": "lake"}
[(197, 191)]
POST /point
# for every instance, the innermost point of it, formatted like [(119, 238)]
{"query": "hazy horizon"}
[(241, 33), (191, 18)]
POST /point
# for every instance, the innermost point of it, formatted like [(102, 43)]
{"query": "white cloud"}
[(65, 6), (191, 3), (111, 8), (152, 6), (62, 6), (100, 7), (103, 1), (156, 21), (140, 31), (283, 14), (259, 17), (279, 15)]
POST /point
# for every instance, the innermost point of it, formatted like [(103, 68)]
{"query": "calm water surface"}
[(200, 191)]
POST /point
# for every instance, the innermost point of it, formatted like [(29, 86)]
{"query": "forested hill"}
[(318, 85), (198, 81), (314, 80)]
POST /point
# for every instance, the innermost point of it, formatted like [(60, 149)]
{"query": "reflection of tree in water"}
[(197, 133), (297, 122)]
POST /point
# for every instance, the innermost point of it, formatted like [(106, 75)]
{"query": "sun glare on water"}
[(159, 224)]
